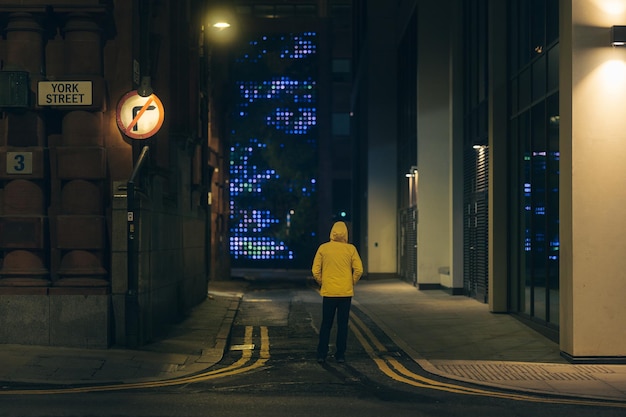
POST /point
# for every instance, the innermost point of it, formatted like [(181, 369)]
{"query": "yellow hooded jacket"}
[(337, 265)]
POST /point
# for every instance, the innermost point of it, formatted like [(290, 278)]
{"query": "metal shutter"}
[(475, 217)]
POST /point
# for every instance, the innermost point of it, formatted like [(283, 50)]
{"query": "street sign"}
[(19, 162), (64, 93), (139, 117)]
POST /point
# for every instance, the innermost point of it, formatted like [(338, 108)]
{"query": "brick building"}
[(65, 166)]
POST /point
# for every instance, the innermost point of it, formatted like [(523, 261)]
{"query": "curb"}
[(222, 340)]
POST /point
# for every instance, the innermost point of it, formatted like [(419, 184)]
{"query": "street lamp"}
[(215, 26), (216, 20), (221, 25), (220, 21)]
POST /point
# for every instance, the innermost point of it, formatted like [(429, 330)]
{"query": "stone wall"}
[(64, 168)]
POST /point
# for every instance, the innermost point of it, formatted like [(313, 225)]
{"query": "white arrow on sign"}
[(139, 117)]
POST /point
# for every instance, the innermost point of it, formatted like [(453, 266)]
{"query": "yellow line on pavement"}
[(236, 368), (264, 355), (396, 371)]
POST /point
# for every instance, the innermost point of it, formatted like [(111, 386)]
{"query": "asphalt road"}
[(270, 370)]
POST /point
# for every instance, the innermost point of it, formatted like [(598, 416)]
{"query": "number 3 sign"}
[(139, 117), (19, 162)]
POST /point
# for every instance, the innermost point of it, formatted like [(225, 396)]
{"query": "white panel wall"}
[(433, 142), (593, 180), (382, 194)]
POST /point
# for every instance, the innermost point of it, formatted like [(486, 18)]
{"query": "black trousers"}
[(331, 306)]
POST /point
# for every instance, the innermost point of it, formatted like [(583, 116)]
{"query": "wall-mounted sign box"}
[(14, 89), (64, 93)]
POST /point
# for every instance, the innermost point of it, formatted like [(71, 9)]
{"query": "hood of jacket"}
[(339, 232)]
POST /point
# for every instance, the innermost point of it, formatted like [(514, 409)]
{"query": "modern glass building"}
[(291, 161), (503, 116), (273, 154)]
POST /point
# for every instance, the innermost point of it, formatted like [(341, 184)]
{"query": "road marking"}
[(391, 367), (243, 347), (239, 367)]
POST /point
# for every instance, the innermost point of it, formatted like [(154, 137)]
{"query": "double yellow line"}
[(391, 367), (240, 366)]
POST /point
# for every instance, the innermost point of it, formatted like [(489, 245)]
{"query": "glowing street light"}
[(220, 19), (221, 25)]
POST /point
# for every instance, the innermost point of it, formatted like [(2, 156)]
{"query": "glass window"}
[(534, 108), (341, 65), (513, 39), (283, 10), (553, 68), (538, 25), (552, 21), (523, 36), (306, 10), (525, 212), (342, 198), (341, 124), (538, 165), (514, 98), (539, 77), (243, 10), (552, 216), (524, 89), (273, 216), (264, 10)]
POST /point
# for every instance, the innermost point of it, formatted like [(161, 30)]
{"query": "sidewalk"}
[(451, 336), (458, 338), (193, 346)]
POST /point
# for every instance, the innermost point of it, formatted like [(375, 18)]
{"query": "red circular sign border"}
[(141, 136)]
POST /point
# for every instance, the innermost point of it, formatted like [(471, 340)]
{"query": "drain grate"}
[(523, 372)]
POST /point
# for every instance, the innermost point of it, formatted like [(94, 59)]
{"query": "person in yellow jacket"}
[(336, 267)]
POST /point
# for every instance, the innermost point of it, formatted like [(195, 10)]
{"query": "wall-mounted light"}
[(412, 177), (412, 172), (221, 25), (618, 35)]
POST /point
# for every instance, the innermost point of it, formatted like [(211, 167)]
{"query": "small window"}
[(306, 10), (264, 10), (285, 10), (341, 65), (244, 10), (341, 124), (341, 11)]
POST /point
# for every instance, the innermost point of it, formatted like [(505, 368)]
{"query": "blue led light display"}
[(273, 153)]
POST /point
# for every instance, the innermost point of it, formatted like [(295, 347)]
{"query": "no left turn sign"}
[(139, 117)]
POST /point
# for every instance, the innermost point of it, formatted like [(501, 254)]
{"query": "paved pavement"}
[(451, 336), (458, 338)]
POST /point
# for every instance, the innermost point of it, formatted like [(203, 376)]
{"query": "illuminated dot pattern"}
[(284, 102), (294, 121), (287, 47)]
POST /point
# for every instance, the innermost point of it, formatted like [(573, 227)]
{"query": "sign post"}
[(138, 118)]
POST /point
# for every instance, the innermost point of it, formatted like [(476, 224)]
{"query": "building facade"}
[(292, 160), (478, 153), (84, 262), (507, 143), (108, 235)]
